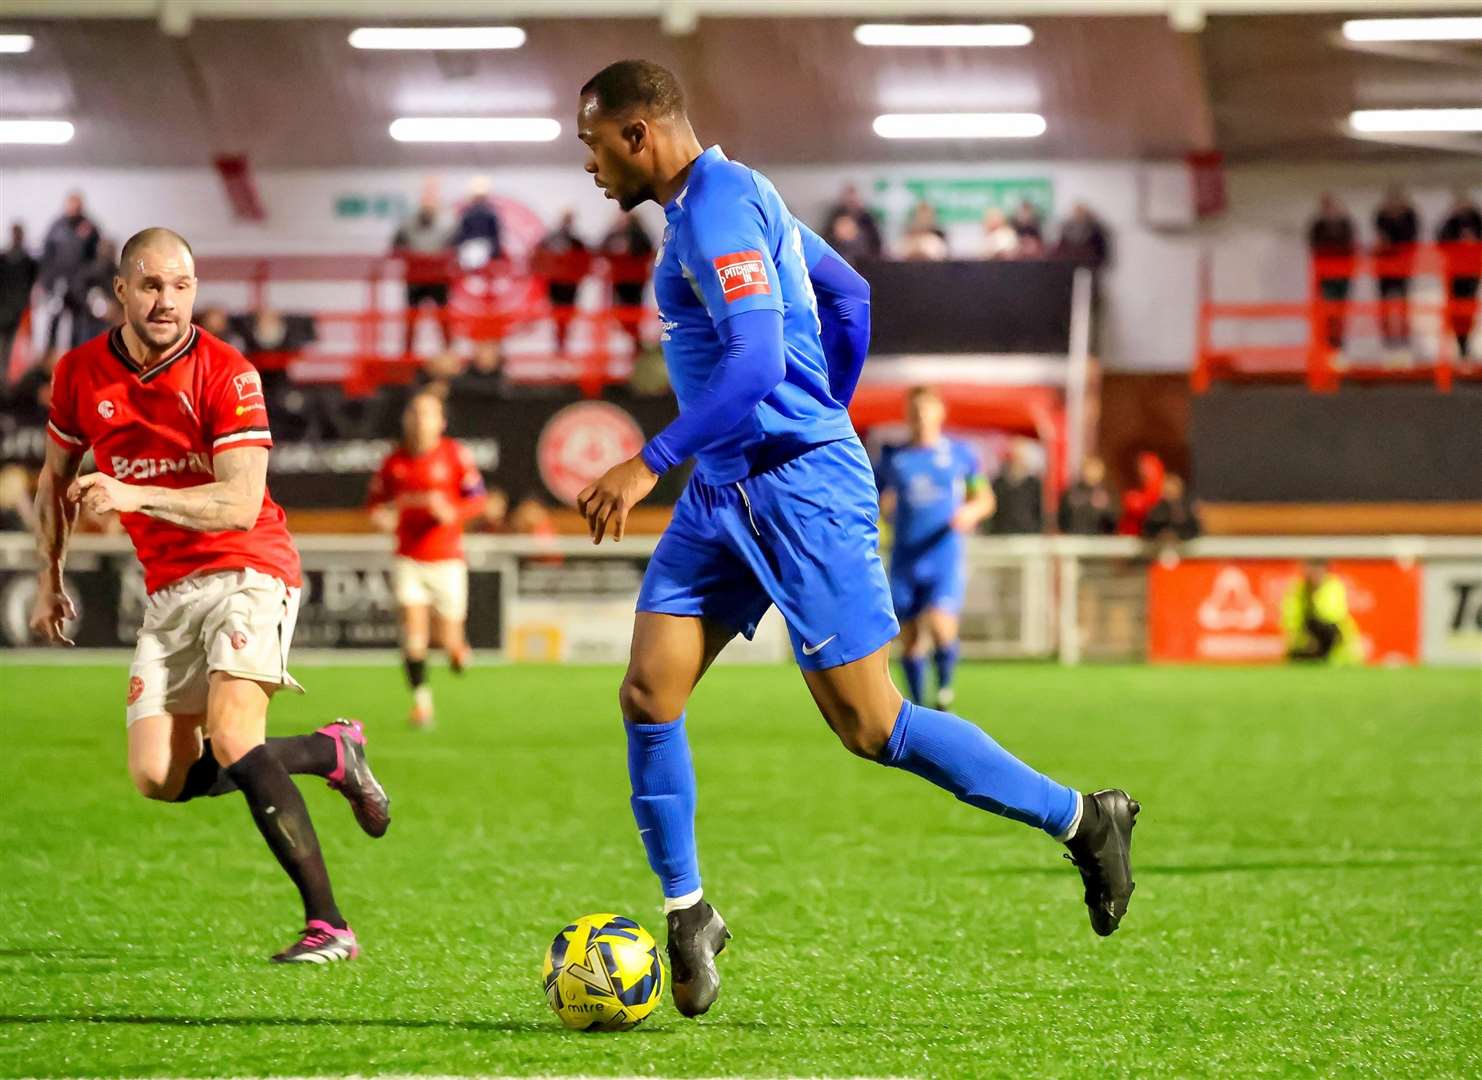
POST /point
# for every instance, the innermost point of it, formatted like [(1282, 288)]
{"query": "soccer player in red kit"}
[(178, 428), (426, 490)]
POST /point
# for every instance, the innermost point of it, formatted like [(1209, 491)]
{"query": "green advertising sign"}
[(393, 206), (959, 199)]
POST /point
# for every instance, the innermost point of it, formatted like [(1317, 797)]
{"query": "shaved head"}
[(154, 237)]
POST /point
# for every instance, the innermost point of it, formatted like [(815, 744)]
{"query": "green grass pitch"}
[(1309, 893)]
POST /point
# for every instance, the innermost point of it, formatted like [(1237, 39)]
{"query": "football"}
[(603, 973)]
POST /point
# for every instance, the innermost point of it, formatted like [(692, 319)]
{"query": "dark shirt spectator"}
[(630, 250), (1017, 493), (1461, 236), (1030, 227), (29, 399), (1398, 228), (424, 244), (845, 237), (18, 273), (99, 307), (70, 248), (1332, 230), (562, 260), (1173, 517), (851, 206), (1083, 238), (1332, 239), (478, 237), (484, 376), (217, 322), (1087, 507)]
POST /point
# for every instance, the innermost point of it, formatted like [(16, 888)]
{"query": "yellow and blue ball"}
[(603, 973)]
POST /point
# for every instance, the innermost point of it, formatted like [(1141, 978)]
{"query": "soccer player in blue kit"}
[(764, 330), (934, 491)]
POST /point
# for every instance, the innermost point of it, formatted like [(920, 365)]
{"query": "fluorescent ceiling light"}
[(437, 37), (475, 129), (1440, 29), (16, 43), (36, 132), (1399, 121), (972, 35), (959, 125)]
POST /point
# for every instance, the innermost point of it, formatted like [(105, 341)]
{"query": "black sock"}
[(314, 754), (283, 819), (416, 672)]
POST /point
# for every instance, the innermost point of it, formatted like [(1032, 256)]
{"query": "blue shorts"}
[(803, 535), (931, 581)]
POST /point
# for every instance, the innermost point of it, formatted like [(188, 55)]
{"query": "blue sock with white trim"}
[(945, 660), (663, 779), (960, 757)]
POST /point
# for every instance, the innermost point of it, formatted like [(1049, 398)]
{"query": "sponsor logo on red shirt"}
[(742, 274)]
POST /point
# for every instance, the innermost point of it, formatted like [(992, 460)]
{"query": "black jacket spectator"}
[(479, 223), (1332, 238), (1461, 236), (1083, 238), (1019, 505), (69, 251), (484, 377), (1398, 228), (1087, 507), (18, 273), (1173, 517), (851, 206)]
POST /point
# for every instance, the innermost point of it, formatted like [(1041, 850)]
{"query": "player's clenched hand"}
[(964, 520), (100, 493), (606, 503), (50, 610), (441, 508)]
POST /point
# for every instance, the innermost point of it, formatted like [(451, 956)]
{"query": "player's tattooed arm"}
[(231, 502), (55, 516)]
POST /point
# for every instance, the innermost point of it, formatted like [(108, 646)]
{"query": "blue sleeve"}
[(729, 252), (843, 313), (751, 366)]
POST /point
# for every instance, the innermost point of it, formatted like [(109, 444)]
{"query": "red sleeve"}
[(236, 412), (381, 487), (61, 421)]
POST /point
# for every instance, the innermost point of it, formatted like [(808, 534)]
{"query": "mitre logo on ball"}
[(581, 442)]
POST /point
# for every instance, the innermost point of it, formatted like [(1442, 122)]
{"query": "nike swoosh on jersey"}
[(809, 650)]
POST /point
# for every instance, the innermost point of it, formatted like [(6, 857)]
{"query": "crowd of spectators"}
[(1334, 240), (853, 230)]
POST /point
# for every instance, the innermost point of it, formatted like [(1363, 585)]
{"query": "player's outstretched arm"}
[(843, 313), (55, 516), (230, 503)]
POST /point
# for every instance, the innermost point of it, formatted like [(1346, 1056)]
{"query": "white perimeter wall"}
[(1256, 247)]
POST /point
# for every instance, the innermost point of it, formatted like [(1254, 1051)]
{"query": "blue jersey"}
[(930, 483), (730, 246)]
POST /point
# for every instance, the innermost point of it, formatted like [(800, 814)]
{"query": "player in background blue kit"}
[(935, 493), (765, 330)]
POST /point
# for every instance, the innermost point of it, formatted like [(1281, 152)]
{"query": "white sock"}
[(1075, 822), (679, 903), (422, 697)]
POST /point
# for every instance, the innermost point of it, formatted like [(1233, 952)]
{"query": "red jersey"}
[(411, 482), (164, 427)]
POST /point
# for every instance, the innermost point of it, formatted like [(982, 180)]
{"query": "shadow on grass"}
[(1264, 867), (130, 1019)]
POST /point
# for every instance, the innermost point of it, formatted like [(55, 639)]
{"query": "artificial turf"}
[(1309, 892)]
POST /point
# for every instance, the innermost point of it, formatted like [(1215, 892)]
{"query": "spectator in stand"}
[(16, 514), (1139, 501), (29, 399), (1174, 516), (925, 240), (1087, 508), (218, 323), (1017, 492), (1083, 238), (18, 273), (1398, 228), (423, 243), (70, 248), (1332, 239), (629, 250), (478, 239), (563, 256), (845, 237), (485, 376), (1000, 239), (851, 206), (99, 307), (1029, 225), (1460, 235)]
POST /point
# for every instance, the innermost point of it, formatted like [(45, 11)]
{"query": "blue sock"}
[(959, 756), (914, 668), (664, 802), (945, 659)]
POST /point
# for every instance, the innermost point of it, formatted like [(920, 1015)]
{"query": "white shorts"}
[(441, 585), (236, 621)]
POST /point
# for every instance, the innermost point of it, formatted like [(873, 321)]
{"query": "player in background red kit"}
[(427, 489), (178, 428)]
